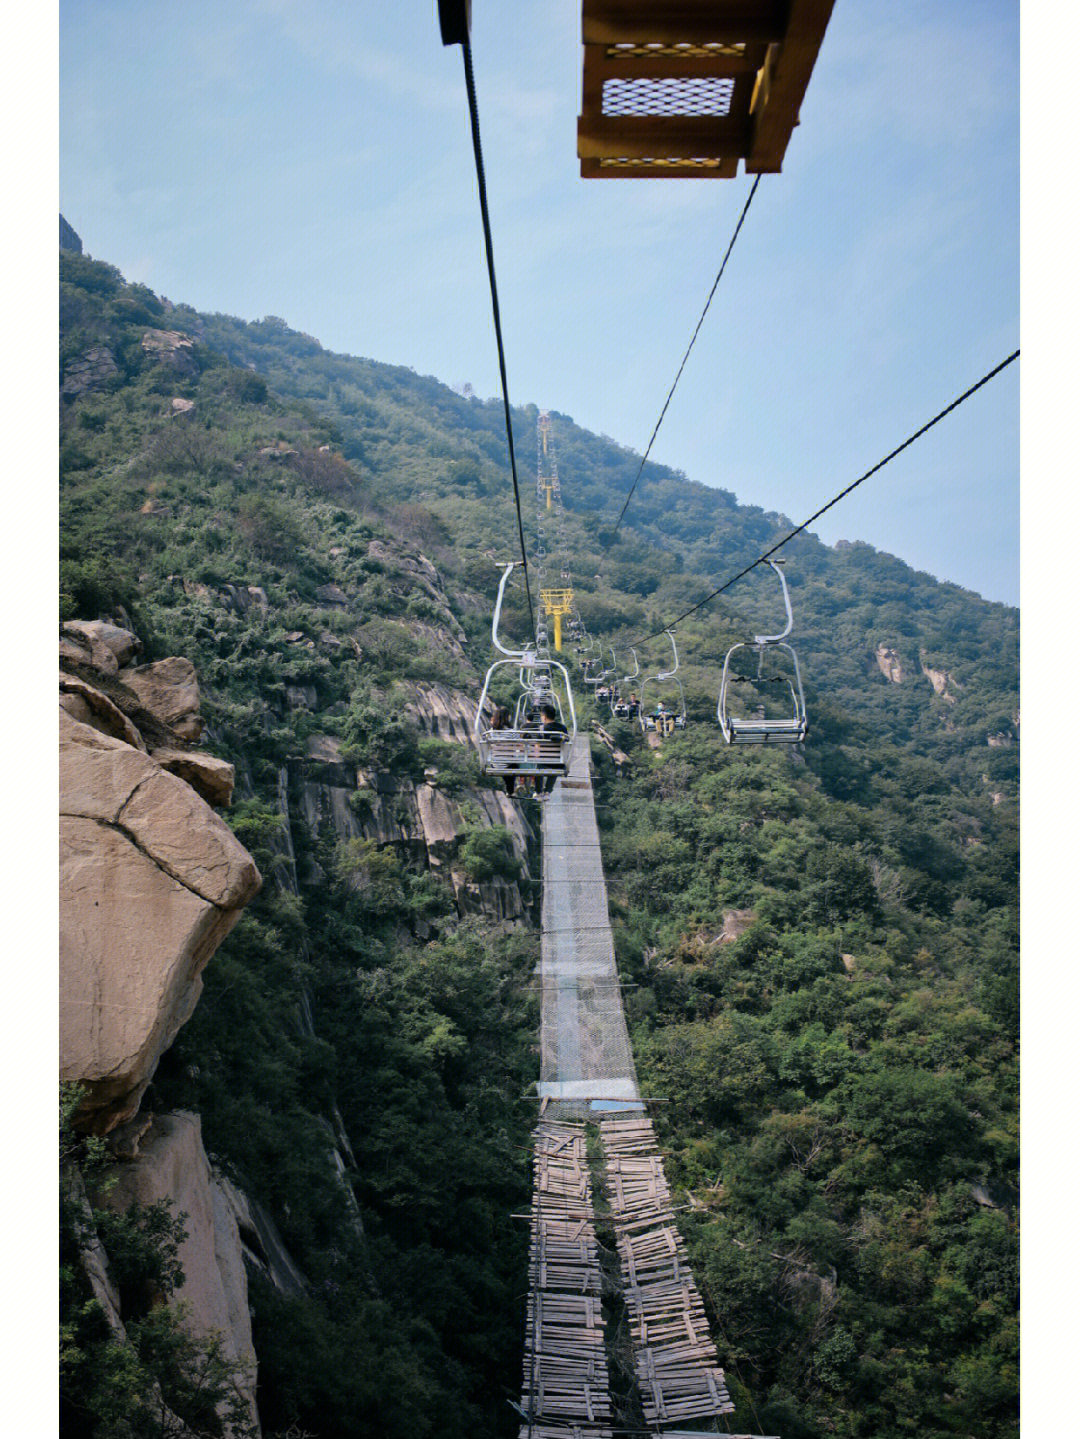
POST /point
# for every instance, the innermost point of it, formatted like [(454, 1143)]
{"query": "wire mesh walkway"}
[(586, 1064)]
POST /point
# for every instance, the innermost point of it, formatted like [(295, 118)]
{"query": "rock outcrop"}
[(172, 1165), (92, 370), (889, 663), (941, 681), (172, 349), (151, 879), (420, 819), (151, 882), (170, 690), (213, 779), (69, 240)]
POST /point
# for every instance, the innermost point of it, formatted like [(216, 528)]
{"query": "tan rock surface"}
[(87, 704), (180, 832), (133, 942), (104, 639), (151, 882), (442, 712), (165, 341), (940, 680), (173, 1165), (440, 820), (214, 779), (98, 773), (170, 690), (888, 662)]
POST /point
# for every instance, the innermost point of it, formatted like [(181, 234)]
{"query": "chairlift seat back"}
[(510, 752)]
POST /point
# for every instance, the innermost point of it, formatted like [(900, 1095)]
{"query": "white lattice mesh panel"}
[(674, 95), (624, 163), (681, 50)]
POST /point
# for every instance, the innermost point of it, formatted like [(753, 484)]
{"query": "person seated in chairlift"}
[(500, 719), (550, 724)]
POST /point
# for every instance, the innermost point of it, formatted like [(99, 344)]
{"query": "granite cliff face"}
[(419, 819), (172, 1165), (152, 880)]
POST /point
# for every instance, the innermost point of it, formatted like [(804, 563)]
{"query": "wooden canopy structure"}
[(688, 88)]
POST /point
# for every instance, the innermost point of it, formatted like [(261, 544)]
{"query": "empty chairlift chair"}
[(761, 688), (526, 749)]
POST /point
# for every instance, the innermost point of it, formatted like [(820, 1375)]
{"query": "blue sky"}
[(312, 161)]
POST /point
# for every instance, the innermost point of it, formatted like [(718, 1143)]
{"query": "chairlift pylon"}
[(759, 729)]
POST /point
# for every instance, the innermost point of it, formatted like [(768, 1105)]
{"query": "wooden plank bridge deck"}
[(565, 1381), (678, 1374)]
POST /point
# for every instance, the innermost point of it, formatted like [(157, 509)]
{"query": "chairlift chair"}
[(759, 729), (526, 748), (663, 677), (589, 675)]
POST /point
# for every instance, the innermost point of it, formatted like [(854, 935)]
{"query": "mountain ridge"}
[(316, 534)]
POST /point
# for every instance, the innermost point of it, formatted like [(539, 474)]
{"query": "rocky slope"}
[(152, 880)]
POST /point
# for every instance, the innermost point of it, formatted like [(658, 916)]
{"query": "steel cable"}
[(474, 124), (690, 346), (835, 500)]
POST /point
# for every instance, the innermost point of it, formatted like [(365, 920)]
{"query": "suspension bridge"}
[(588, 1087)]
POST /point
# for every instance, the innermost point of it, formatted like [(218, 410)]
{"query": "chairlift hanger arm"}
[(783, 634), (670, 674), (513, 654)]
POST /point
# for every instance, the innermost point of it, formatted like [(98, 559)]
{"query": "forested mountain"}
[(822, 947)]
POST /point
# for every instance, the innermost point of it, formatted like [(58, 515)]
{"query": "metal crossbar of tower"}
[(688, 88)]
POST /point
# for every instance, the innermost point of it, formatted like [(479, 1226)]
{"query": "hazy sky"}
[(312, 161)]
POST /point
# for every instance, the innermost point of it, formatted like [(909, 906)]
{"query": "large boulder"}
[(169, 689), (108, 646), (151, 882), (86, 703), (172, 1165), (214, 779)]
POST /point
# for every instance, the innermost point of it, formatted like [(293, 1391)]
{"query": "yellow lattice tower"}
[(557, 603), (544, 481)]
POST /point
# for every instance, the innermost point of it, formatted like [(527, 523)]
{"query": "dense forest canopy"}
[(821, 947)]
